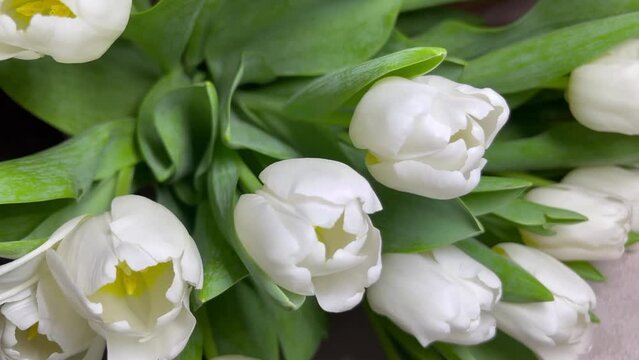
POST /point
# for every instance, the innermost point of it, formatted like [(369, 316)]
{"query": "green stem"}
[(248, 181), (208, 342), (124, 181), (384, 339)]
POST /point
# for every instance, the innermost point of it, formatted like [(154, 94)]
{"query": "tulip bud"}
[(614, 180), (308, 228), (443, 295), (69, 31), (130, 272), (427, 136), (558, 329), (604, 95), (602, 237)]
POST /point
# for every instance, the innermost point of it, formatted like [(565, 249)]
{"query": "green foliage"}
[(493, 193), (586, 270)]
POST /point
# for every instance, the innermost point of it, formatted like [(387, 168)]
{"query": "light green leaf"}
[(298, 38), (222, 267), (518, 285), (67, 170), (537, 60), (327, 93), (563, 146), (408, 5), (164, 30), (411, 223), (244, 135), (494, 192), (633, 238), (103, 90), (528, 213), (467, 40), (16, 249), (586, 270)]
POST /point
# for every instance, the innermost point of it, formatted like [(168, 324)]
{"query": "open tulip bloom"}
[(231, 173)]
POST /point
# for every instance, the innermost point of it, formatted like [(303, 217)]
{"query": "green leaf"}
[(531, 63), (18, 220), (103, 90), (468, 40), (330, 91), (408, 5), (222, 267), (411, 223), (244, 135), (518, 285), (16, 249), (67, 170), (594, 318), (300, 332), (586, 270), (164, 30), (528, 213), (563, 146), (633, 238), (298, 38), (407, 342), (193, 349), (501, 347), (494, 192), (242, 324)]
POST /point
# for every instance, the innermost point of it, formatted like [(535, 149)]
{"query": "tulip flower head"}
[(602, 237), (555, 330), (444, 295), (130, 272), (308, 228), (428, 135), (604, 95), (70, 31)]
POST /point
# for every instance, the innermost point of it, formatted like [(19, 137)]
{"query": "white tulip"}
[(427, 136), (614, 180), (70, 31), (130, 272), (308, 228), (604, 94), (602, 237), (444, 295), (37, 322), (554, 330)]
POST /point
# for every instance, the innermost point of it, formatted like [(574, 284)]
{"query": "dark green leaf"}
[(420, 4), (193, 349), (501, 347), (74, 97), (531, 63), (586, 270), (18, 220), (411, 223), (494, 192), (300, 332), (517, 284)]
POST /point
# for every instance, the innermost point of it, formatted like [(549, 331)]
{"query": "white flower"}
[(308, 229), (614, 180), (555, 330), (427, 136), (37, 322), (130, 272), (70, 31), (604, 94), (602, 237), (444, 295)]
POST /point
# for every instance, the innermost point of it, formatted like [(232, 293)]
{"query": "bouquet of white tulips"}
[(235, 171)]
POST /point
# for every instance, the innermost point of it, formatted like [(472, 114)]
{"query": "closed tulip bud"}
[(428, 135), (308, 228), (614, 180), (130, 272), (555, 330), (70, 31), (443, 295), (36, 320), (604, 95), (602, 237)]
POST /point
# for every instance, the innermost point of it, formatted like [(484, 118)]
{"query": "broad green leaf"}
[(498, 230), (16, 249), (586, 270), (408, 5), (565, 145), (222, 267), (67, 170), (298, 38), (74, 97), (517, 284), (164, 30), (244, 135), (330, 91), (222, 188), (193, 349), (494, 192), (537, 60), (411, 223), (300, 332), (528, 213), (242, 324), (18, 220), (467, 40), (501, 347)]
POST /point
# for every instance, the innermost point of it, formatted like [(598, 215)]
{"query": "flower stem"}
[(248, 181)]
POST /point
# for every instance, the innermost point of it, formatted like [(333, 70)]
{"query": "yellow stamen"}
[(23, 10), (32, 332), (134, 283)]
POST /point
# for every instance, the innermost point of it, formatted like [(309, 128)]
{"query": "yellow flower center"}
[(32, 332), (334, 238), (33, 345), (134, 283), (21, 11)]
